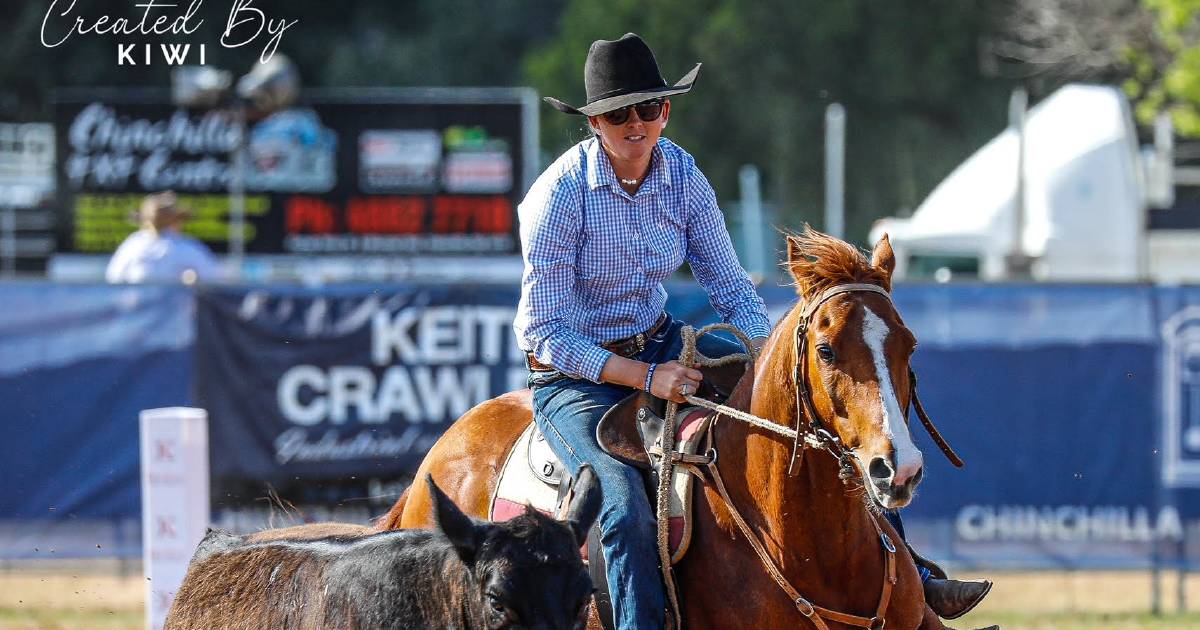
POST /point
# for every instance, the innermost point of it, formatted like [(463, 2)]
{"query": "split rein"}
[(816, 436)]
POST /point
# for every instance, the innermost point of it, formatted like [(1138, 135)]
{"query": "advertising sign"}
[(396, 172), (322, 396), (26, 196)]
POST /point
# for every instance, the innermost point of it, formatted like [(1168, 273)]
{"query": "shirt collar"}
[(600, 171)]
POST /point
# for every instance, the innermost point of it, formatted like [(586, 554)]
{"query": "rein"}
[(815, 435)]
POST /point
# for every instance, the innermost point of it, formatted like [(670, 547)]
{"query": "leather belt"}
[(627, 347)]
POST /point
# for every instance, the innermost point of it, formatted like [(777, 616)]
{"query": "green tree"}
[(1164, 69)]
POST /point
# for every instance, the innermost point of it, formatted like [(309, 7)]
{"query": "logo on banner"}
[(1181, 398), (1067, 523), (164, 451), (185, 152), (475, 162), (291, 151), (399, 160), (427, 366), (166, 527)]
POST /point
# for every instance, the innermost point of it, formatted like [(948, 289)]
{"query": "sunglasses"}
[(648, 111)]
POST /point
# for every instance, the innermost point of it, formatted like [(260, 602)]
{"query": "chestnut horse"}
[(817, 527)]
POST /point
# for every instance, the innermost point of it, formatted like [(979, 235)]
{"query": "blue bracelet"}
[(650, 376)]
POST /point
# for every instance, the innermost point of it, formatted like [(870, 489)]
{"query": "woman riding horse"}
[(601, 229)]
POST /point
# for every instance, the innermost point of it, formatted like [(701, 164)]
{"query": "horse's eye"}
[(825, 352)]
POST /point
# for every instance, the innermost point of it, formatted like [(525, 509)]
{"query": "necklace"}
[(629, 182)]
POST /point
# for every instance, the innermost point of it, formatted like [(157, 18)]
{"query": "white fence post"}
[(175, 500)]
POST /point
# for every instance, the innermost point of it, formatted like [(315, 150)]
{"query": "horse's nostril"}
[(916, 479), (880, 469)]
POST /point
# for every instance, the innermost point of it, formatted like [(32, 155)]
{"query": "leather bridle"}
[(817, 432)]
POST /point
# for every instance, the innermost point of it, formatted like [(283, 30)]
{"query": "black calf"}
[(468, 574)]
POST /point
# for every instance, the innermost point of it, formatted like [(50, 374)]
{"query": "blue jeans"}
[(567, 411), (893, 517)]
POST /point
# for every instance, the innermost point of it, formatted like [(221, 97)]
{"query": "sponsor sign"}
[(1055, 395), (343, 393), (26, 195), (399, 160), (26, 164), (426, 175)]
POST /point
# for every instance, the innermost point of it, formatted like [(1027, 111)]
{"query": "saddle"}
[(631, 432)]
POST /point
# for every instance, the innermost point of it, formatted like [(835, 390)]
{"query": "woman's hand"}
[(673, 379)]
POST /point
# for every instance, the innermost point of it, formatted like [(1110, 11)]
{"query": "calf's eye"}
[(500, 612)]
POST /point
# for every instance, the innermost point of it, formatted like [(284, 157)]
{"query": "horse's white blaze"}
[(908, 458)]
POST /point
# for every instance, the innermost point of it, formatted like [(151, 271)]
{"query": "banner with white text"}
[(334, 394)]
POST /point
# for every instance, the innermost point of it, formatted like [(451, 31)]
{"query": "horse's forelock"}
[(818, 261)]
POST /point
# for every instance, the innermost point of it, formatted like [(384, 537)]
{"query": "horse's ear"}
[(883, 259), (794, 250), (796, 256), (585, 506), (456, 526)]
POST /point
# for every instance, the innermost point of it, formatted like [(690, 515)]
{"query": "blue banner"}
[(77, 365), (1076, 407), (1048, 392), (336, 394)]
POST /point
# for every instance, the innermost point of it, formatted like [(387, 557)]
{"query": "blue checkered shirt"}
[(596, 257)]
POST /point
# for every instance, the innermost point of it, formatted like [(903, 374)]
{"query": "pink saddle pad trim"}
[(690, 425)]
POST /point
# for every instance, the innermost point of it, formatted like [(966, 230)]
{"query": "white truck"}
[(1079, 213)]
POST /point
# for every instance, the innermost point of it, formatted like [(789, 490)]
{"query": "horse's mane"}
[(818, 261)]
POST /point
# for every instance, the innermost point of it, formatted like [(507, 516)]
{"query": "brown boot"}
[(951, 599)]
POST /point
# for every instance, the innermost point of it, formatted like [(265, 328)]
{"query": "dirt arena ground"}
[(94, 595)]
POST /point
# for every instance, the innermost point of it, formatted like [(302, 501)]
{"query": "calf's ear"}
[(585, 505), (456, 526)]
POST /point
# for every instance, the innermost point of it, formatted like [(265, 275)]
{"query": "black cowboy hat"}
[(621, 73)]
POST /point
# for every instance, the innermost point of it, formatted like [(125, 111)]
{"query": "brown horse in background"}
[(821, 533)]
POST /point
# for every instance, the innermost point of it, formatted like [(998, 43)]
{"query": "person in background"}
[(159, 252)]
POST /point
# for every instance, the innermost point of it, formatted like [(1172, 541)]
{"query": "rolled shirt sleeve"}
[(551, 226), (715, 264)]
